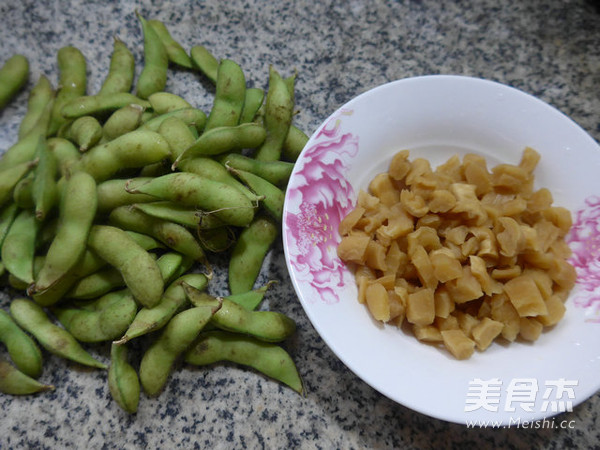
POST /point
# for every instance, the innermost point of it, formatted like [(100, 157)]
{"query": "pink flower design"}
[(324, 197), (584, 240)]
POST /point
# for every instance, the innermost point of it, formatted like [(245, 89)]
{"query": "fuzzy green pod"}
[(229, 96), (18, 249), (205, 62), (123, 381), (9, 178), (22, 349), (153, 77), (39, 96), (273, 197), (15, 382), (267, 358), (138, 268), (122, 121), (100, 104), (44, 190), (33, 319), (174, 340), (13, 76), (175, 52), (275, 172), (121, 70)]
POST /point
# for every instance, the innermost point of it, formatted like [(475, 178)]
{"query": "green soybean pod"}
[(169, 233), (267, 358), (153, 77), (166, 210), (7, 216), (103, 319), (270, 326), (135, 149), (165, 102), (123, 381), (85, 131), (33, 319), (225, 139), (121, 70), (250, 299), (252, 104), (249, 252), (15, 382), (181, 331), (96, 284), (18, 249), (175, 52), (178, 134), (275, 172), (122, 121), (22, 193), (9, 179), (39, 96), (44, 190), (72, 68), (22, 349), (139, 270), (279, 109), (214, 197), (174, 299), (229, 96), (100, 104), (24, 149), (112, 194), (273, 196), (205, 62), (294, 143), (65, 153), (13, 76), (190, 116), (77, 210)]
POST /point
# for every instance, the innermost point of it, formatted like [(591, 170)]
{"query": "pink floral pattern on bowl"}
[(323, 197), (584, 240)]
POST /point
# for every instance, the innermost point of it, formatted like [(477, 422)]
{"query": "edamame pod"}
[(178, 134), (267, 358), (177, 336), (112, 194), (251, 299), (23, 350), (252, 103), (225, 139), (76, 214), (96, 284), (89, 105), (175, 51), (294, 143), (122, 121), (205, 62), (166, 210), (13, 76), (24, 149), (103, 319), (65, 153), (44, 190), (121, 70), (32, 318), (148, 320), (18, 248), (7, 216), (270, 326), (229, 96), (275, 172), (72, 68), (132, 150), (169, 233), (139, 270), (249, 252), (165, 102), (123, 382), (153, 77), (22, 193), (40, 95), (213, 197), (191, 116), (279, 109), (273, 197), (10, 177), (85, 131), (15, 382)]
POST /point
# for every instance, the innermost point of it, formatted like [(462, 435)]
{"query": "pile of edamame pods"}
[(112, 204)]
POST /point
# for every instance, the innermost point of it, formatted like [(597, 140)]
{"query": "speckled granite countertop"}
[(549, 48)]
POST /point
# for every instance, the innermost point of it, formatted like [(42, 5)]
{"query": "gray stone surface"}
[(548, 48)]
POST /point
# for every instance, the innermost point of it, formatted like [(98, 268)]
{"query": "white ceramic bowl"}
[(434, 117)]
